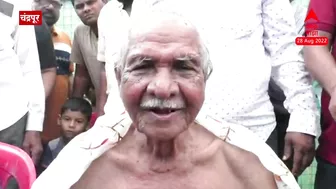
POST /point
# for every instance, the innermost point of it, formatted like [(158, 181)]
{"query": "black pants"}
[(325, 175), (14, 135), (277, 139)]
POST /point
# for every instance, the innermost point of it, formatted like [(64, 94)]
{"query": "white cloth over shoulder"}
[(77, 156)]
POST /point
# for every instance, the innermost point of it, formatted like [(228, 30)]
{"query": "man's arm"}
[(47, 57), (300, 13), (276, 94), (319, 60), (102, 96), (82, 80), (288, 69), (26, 49), (49, 78), (27, 52)]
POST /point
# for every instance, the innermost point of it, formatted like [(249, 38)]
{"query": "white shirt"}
[(248, 45), (112, 8), (21, 86), (300, 13)]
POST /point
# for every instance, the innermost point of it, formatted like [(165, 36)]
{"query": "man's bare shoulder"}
[(247, 166), (100, 171)]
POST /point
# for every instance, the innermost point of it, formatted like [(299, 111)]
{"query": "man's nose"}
[(163, 85), (50, 6), (72, 124), (87, 8)]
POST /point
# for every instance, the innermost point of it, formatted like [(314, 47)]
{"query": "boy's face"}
[(72, 123)]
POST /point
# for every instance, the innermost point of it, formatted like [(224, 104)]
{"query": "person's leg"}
[(325, 175), (14, 135), (277, 137), (272, 141)]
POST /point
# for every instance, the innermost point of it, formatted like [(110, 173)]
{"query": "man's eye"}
[(90, 2), (141, 67), (181, 65), (144, 65), (79, 6)]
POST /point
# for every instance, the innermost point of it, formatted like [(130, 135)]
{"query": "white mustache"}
[(162, 104)]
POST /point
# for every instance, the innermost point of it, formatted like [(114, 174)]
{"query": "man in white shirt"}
[(22, 93), (105, 78), (276, 140), (256, 43)]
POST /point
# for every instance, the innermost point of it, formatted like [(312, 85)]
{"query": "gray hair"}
[(154, 17)]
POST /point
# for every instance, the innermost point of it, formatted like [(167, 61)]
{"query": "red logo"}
[(310, 21), (311, 15), (30, 17), (311, 38)]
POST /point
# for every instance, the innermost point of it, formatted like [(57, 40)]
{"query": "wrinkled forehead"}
[(169, 37), (46, 1)]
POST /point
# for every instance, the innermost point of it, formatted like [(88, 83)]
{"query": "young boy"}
[(74, 119)]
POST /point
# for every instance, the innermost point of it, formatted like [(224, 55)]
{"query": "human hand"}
[(33, 146), (302, 147)]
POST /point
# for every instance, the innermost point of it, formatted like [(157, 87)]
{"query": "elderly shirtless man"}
[(158, 143)]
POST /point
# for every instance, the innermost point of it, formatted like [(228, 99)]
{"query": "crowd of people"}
[(170, 94)]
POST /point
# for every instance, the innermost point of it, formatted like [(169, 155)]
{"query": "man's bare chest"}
[(196, 179), (131, 172)]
